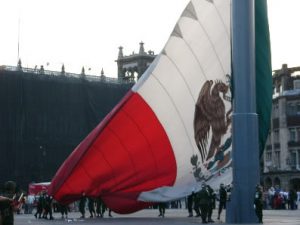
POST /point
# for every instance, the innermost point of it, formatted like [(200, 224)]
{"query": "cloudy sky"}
[(88, 33)]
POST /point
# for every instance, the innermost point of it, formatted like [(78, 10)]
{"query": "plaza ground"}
[(150, 217)]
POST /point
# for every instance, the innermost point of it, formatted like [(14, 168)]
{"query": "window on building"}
[(292, 132), (298, 108), (276, 136), (278, 87), (296, 84), (268, 142), (268, 156), (291, 108), (275, 110), (293, 159), (277, 159), (298, 160), (298, 133)]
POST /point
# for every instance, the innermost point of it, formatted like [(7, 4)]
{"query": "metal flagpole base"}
[(245, 161)]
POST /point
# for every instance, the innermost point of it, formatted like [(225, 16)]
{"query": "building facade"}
[(281, 161), (45, 114), (132, 67)]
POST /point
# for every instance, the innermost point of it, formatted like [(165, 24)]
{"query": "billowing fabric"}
[(188, 88), (264, 88), (128, 152), (172, 131), (151, 146)]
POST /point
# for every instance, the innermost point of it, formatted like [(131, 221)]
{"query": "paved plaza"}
[(150, 217)]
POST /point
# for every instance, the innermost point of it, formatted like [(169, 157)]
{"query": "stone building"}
[(133, 66), (281, 161), (45, 114)]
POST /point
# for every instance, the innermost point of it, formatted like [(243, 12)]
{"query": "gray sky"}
[(284, 31), (88, 32)]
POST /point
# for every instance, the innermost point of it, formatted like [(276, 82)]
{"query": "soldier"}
[(91, 206), (203, 202), (82, 205), (48, 207), (63, 210), (162, 209), (292, 197), (99, 206), (222, 199), (6, 212), (196, 204), (258, 203), (7, 203), (40, 206), (211, 204), (190, 200), (109, 212)]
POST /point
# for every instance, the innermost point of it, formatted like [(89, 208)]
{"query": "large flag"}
[(172, 131)]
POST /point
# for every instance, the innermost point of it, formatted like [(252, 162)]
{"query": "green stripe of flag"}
[(263, 71)]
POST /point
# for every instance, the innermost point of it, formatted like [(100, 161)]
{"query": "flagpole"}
[(245, 120), (19, 38)]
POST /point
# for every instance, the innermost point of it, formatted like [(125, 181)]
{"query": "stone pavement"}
[(150, 217)]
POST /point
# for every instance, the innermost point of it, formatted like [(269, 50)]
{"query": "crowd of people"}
[(276, 198), (96, 207), (204, 201), (45, 207), (199, 204), (13, 201)]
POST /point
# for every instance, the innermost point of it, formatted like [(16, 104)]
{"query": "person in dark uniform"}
[(40, 206), (6, 211), (190, 200), (7, 204), (91, 206), (203, 202), (48, 207), (82, 205), (99, 205), (162, 209), (292, 196), (63, 210), (196, 204), (101, 208), (258, 203), (222, 199), (211, 203)]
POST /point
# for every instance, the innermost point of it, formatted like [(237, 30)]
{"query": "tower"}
[(132, 67)]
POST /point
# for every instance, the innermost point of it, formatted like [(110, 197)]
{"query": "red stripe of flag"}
[(128, 153)]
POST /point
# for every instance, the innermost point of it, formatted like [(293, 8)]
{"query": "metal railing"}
[(40, 71)]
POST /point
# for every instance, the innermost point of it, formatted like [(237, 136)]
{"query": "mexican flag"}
[(172, 131)]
